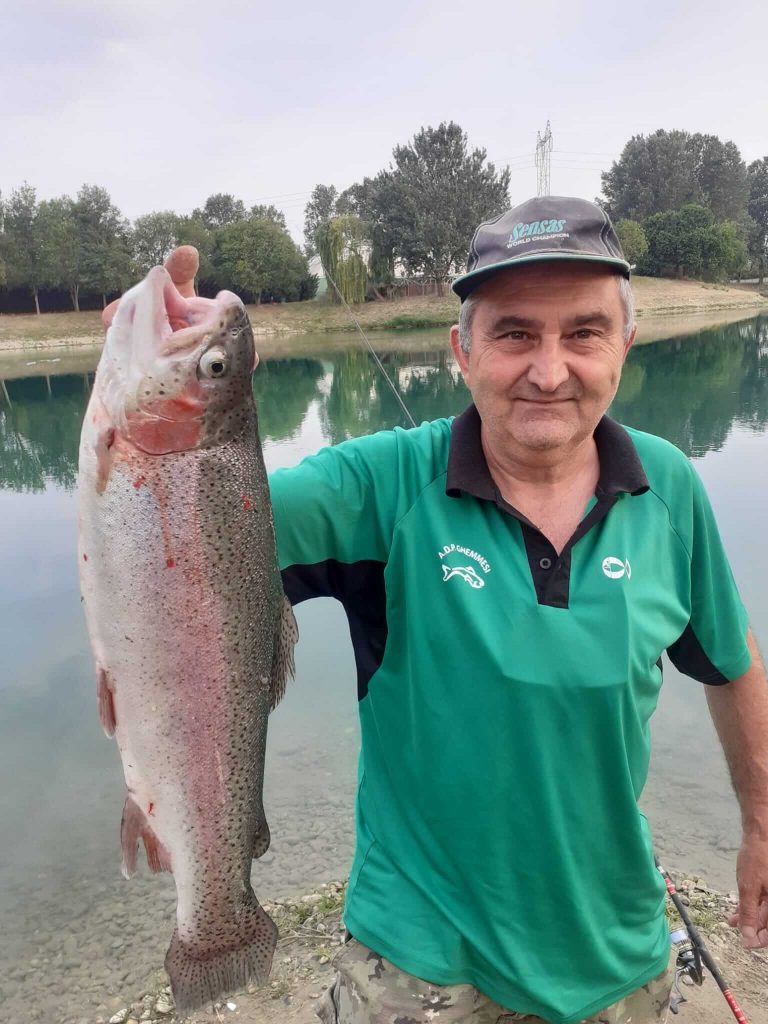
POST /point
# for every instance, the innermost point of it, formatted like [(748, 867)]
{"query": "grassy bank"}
[(311, 932), (654, 297)]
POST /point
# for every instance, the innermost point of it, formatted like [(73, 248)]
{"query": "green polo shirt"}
[(505, 693)]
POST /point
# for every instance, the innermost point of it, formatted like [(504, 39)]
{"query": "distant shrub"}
[(415, 321)]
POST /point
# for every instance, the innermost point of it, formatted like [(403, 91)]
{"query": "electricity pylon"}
[(543, 161)]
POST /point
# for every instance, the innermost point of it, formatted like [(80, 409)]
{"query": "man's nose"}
[(548, 369)]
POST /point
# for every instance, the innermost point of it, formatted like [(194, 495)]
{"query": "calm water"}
[(75, 937)]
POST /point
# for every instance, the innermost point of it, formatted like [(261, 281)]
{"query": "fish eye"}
[(214, 363)]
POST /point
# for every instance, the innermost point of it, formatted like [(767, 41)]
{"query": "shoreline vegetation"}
[(655, 298), (311, 932)]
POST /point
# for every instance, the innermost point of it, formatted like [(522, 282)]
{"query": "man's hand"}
[(739, 710), (751, 915), (182, 264)]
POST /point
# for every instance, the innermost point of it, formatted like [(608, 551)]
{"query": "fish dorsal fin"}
[(283, 666)]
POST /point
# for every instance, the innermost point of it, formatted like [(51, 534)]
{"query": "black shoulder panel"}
[(360, 588), (688, 657)]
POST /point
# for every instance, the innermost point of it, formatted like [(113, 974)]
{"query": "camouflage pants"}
[(370, 990)]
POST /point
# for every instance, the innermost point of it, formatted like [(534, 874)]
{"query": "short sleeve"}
[(713, 647), (334, 514)]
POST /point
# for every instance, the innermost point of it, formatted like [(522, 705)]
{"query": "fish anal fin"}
[(106, 701), (133, 827), (283, 666), (207, 972)]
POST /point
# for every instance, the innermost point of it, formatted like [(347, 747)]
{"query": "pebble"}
[(120, 1017), (162, 1006)]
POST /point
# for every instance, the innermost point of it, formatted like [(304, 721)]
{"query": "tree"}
[(21, 242), (632, 239), (652, 175), (154, 236), (269, 213), (260, 261), (60, 245), (429, 203), (669, 169), (690, 243), (219, 210), (104, 237), (757, 207), (341, 244), (722, 176), (319, 210)]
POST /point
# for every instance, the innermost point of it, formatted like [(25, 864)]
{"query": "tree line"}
[(684, 204), (687, 205), (84, 247)]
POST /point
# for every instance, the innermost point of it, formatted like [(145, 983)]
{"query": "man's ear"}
[(629, 343), (462, 357)]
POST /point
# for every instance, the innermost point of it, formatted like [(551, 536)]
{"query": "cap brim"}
[(465, 284)]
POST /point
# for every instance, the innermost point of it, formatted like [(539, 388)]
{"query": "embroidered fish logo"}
[(466, 572)]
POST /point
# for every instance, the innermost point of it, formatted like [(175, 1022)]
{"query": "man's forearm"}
[(739, 710)]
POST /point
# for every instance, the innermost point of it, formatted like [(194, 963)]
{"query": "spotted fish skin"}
[(191, 632)]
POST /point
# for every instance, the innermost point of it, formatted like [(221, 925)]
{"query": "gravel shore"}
[(311, 931)]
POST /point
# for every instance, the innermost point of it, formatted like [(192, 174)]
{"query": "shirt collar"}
[(620, 467)]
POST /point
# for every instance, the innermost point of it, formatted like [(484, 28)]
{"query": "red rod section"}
[(696, 939)]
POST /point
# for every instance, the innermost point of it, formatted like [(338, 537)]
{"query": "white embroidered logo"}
[(614, 568), (465, 572), (468, 573)]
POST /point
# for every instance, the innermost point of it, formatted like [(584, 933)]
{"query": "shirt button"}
[(545, 563)]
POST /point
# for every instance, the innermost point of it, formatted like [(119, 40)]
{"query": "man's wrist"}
[(754, 822)]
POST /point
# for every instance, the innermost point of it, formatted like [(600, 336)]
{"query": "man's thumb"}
[(748, 909)]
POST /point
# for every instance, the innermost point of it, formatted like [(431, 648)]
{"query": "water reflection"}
[(40, 431), (693, 390), (690, 390), (284, 389)]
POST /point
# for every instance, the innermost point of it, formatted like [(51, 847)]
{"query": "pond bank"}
[(655, 297), (311, 932)]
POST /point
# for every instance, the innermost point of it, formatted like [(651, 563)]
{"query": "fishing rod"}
[(378, 362), (692, 964)]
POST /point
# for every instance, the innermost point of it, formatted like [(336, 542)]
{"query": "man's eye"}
[(515, 335), (584, 334)]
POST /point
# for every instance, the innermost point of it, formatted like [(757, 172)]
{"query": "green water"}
[(73, 930)]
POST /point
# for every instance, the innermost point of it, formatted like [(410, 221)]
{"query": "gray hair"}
[(467, 310)]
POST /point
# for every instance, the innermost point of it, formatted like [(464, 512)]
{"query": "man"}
[(511, 580)]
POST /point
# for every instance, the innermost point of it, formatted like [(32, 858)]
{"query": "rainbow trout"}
[(192, 634)]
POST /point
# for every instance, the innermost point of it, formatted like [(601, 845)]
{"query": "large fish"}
[(192, 634)]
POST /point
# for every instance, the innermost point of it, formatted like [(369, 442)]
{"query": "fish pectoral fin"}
[(105, 697), (134, 826), (283, 666)]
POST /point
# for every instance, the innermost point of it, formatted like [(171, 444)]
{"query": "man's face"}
[(546, 354)]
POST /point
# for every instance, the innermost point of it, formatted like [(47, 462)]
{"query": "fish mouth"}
[(185, 326)]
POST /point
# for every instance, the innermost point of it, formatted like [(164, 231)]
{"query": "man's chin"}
[(543, 439)]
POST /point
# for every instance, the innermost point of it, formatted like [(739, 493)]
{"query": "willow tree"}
[(342, 244)]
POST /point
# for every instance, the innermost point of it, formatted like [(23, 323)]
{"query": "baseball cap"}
[(545, 228)]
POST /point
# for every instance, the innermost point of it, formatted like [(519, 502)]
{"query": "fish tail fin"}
[(199, 977)]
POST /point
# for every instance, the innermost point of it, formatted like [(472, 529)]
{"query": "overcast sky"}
[(165, 103)]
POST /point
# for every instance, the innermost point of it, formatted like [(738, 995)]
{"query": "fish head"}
[(167, 390)]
